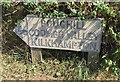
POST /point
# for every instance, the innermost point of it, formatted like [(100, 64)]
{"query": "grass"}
[(52, 69)]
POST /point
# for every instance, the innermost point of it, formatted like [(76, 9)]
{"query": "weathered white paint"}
[(65, 34)]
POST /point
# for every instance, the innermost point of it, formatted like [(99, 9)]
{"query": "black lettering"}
[(72, 35), (55, 34), (67, 44), (63, 23), (31, 32), (92, 46), (49, 42), (81, 45), (90, 36), (74, 25), (79, 24), (19, 30), (50, 22), (36, 32), (42, 42), (60, 43), (43, 23), (39, 42), (43, 32), (80, 35), (55, 23), (33, 41), (74, 45), (69, 24)]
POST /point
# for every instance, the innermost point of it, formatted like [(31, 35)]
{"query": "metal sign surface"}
[(66, 34)]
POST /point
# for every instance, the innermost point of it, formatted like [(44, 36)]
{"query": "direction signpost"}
[(60, 33)]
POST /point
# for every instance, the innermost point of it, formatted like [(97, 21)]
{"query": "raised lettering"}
[(43, 23), (63, 23)]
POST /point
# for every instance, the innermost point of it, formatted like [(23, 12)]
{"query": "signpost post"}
[(59, 33)]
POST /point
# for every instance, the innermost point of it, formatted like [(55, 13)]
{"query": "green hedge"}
[(110, 49)]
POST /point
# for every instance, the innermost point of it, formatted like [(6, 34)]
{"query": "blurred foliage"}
[(64, 70), (110, 12)]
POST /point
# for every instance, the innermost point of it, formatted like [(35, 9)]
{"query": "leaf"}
[(73, 11), (58, 74), (107, 68), (110, 62)]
